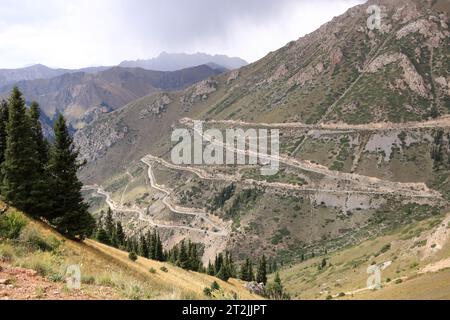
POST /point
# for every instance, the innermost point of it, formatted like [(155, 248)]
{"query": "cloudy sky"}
[(73, 34)]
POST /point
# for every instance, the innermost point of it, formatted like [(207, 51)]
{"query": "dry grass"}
[(347, 269), (109, 267)]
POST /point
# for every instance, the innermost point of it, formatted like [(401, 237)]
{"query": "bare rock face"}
[(410, 76), (279, 73), (94, 141), (94, 113), (200, 92), (444, 84), (255, 288), (305, 76), (234, 75), (156, 108)]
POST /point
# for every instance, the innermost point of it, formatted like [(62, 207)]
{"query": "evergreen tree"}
[(261, 273), (218, 263), (183, 258), (224, 273), (275, 289), (69, 212), (247, 271), (3, 124), (159, 253), (143, 249), (102, 236), (151, 239), (41, 144), (39, 196), (120, 235), (210, 271), (19, 167), (109, 224)]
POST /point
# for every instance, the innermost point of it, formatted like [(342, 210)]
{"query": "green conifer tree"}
[(3, 124), (69, 212), (19, 167), (261, 272)]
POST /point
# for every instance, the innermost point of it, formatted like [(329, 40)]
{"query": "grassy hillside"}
[(107, 273), (419, 258)]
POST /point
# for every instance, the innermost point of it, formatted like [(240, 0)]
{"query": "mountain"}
[(176, 61), (365, 142), (82, 96), (38, 71)]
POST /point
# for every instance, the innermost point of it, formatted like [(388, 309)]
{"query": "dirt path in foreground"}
[(26, 284)]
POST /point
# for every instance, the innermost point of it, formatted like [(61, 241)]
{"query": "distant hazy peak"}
[(176, 61)]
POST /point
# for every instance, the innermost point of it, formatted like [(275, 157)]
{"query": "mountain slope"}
[(361, 150), (414, 262), (176, 61), (106, 273), (74, 94)]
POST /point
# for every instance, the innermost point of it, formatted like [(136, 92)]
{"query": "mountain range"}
[(176, 61), (365, 146)]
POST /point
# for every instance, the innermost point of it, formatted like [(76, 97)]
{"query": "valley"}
[(360, 152), (357, 142)]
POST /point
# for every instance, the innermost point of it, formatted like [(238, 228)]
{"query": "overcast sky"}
[(73, 34)]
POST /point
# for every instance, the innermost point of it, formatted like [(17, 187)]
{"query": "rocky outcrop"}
[(255, 288), (200, 92), (94, 141), (410, 74), (156, 108)]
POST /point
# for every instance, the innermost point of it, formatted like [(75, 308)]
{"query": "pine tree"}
[(261, 273), (210, 271), (19, 167), (275, 289), (247, 271), (143, 249), (244, 272), (120, 235), (3, 124), (159, 253), (218, 263), (109, 224), (151, 239), (102, 236), (69, 212), (39, 196), (41, 144), (183, 258)]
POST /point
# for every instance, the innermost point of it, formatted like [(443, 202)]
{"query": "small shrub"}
[(207, 292), (7, 253), (11, 225), (329, 297), (398, 281), (342, 294), (132, 256), (87, 279), (56, 277), (164, 269), (31, 237), (215, 286), (385, 248), (41, 266), (152, 270)]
